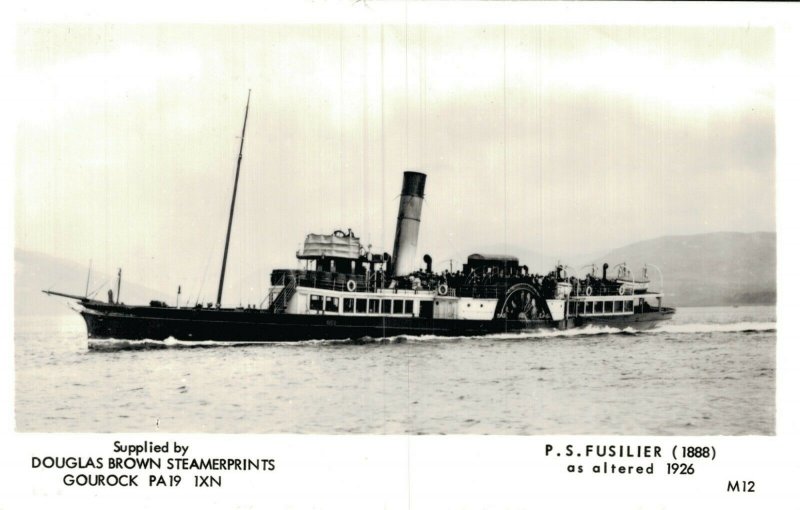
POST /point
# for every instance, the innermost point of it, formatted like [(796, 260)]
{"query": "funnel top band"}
[(414, 184)]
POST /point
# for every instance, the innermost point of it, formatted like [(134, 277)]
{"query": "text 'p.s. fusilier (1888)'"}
[(631, 459)]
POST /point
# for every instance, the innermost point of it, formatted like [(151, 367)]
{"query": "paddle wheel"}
[(522, 302)]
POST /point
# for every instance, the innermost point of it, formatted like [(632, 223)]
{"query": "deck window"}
[(386, 306), (409, 306), (609, 307), (349, 304), (572, 307), (331, 304), (397, 306), (426, 309), (598, 307), (361, 306), (586, 308), (315, 303), (629, 305), (617, 306), (374, 305)]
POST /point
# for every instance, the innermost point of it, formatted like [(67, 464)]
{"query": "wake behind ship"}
[(346, 291)]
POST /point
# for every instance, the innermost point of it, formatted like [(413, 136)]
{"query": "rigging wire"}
[(341, 127), (364, 129), (94, 292), (203, 281), (215, 245), (505, 149)]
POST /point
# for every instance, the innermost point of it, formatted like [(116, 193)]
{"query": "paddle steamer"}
[(344, 291)]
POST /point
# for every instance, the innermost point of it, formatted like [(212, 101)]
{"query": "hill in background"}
[(721, 268), (34, 272)]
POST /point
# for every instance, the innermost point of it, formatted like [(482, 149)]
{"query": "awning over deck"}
[(336, 245)]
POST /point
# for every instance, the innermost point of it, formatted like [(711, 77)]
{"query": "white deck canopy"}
[(338, 244)]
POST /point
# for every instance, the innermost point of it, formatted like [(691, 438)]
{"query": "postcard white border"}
[(428, 472)]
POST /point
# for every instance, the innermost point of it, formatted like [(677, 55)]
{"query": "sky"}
[(562, 140)]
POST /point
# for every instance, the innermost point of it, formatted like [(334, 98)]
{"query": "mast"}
[(233, 203)]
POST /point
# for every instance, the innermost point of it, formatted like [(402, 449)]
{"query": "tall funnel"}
[(408, 219)]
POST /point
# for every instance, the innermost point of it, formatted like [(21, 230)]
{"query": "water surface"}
[(708, 371)]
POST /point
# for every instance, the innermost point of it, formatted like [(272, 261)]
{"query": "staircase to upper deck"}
[(281, 301)]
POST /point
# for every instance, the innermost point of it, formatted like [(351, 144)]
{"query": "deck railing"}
[(377, 281)]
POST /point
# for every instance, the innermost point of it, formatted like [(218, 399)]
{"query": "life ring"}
[(442, 290), (351, 286), (621, 290), (588, 291)]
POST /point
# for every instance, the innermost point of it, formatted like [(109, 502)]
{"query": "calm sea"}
[(708, 371)]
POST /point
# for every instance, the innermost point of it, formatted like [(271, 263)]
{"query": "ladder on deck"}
[(282, 300)]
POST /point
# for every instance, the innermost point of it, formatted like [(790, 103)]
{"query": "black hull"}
[(637, 321), (105, 321)]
